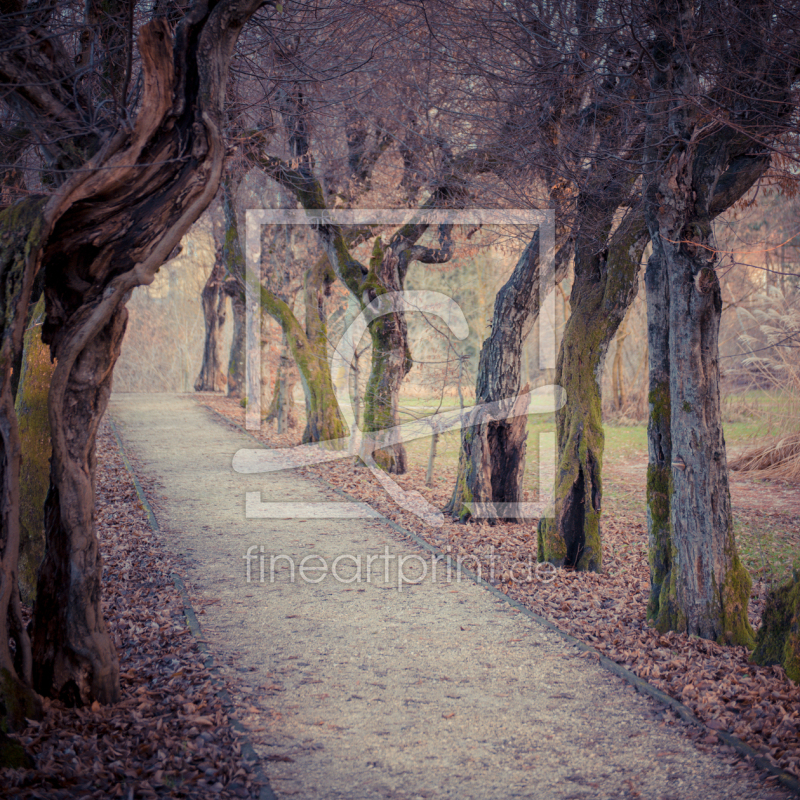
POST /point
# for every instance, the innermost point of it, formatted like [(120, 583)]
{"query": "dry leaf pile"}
[(169, 736), (759, 705)]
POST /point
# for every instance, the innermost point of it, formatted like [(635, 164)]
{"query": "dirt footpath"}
[(356, 689)]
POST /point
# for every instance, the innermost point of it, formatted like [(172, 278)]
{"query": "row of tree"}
[(638, 123)]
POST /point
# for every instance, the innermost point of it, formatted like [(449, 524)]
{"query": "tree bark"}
[(282, 406), (660, 608), (491, 463), (324, 421), (778, 638), (21, 230), (391, 362), (605, 286), (234, 287), (712, 588), (108, 228), (72, 649), (212, 377), (34, 432)]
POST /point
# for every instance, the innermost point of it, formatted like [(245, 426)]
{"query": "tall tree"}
[(125, 195), (562, 77), (723, 81)]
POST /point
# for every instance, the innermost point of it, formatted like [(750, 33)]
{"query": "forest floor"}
[(169, 736), (758, 705)]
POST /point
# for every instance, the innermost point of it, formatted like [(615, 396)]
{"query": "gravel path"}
[(360, 690)]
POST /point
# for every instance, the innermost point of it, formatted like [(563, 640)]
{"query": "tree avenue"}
[(637, 124)]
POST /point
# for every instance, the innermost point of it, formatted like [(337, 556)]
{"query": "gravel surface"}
[(364, 690)]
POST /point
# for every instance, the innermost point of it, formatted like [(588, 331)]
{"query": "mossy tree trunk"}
[(212, 377), (491, 462), (109, 227), (604, 287), (778, 638), (21, 231), (34, 432), (698, 582), (391, 362), (660, 609), (233, 259), (709, 588), (324, 422)]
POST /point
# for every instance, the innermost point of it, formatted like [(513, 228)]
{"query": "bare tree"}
[(723, 82), (212, 376), (125, 193)]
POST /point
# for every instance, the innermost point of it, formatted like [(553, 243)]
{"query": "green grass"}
[(769, 543)]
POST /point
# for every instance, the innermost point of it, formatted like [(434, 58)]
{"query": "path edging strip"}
[(641, 685), (248, 752)]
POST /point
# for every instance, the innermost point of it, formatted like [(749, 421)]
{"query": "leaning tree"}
[(125, 175)]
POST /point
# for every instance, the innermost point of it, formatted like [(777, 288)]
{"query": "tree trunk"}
[(234, 287), (708, 588), (698, 584), (75, 657), (34, 432), (20, 249), (605, 286), (212, 377), (108, 228), (491, 463), (660, 610), (282, 407), (324, 423), (391, 362)]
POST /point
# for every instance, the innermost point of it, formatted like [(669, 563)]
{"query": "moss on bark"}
[(572, 537), (34, 432), (778, 638), (13, 755), (324, 420), (17, 702), (734, 597), (659, 490)]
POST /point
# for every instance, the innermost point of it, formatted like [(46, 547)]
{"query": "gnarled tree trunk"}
[(491, 463), (605, 286), (212, 377), (21, 229), (107, 229), (72, 649)]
